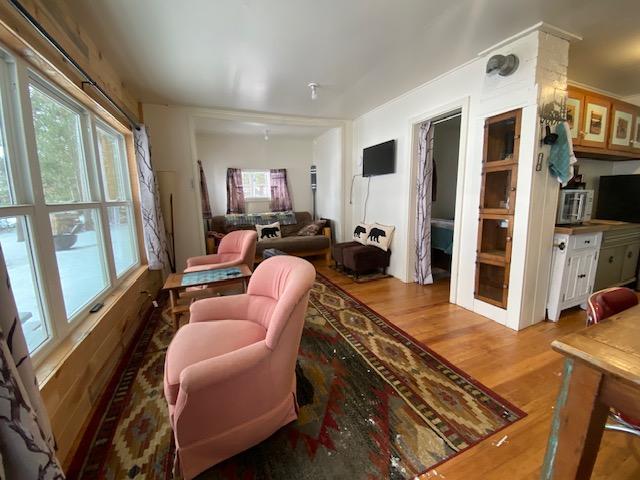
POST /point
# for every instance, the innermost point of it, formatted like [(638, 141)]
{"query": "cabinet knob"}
[(611, 259), (582, 275), (629, 254)]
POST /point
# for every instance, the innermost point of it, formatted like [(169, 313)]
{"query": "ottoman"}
[(338, 251), (363, 258)]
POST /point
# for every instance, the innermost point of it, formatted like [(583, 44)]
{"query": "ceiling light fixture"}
[(266, 134), (314, 90)]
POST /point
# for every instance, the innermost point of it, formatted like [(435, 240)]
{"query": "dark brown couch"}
[(291, 243)]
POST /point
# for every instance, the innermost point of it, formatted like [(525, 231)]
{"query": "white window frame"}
[(28, 195), (252, 198)]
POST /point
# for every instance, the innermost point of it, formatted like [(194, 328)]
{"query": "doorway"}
[(436, 158)]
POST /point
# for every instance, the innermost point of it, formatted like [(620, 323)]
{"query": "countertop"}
[(594, 225)]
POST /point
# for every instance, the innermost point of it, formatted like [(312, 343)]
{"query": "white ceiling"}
[(215, 126), (260, 54)]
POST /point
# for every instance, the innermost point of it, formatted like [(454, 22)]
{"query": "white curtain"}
[(155, 240), (423, 274), (27, 446)]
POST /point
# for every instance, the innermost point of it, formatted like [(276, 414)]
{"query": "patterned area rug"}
[(374, 404)]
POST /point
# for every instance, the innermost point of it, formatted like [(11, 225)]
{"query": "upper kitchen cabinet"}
[(623, 119), (602, 127)]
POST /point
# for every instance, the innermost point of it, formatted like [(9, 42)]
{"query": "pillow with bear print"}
[(380, 236), (268, 232), (360, 233)]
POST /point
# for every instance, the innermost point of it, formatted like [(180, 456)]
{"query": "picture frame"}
[(622, 127), (596, 123)]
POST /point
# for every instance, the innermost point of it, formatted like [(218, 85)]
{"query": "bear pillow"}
[(268, 232), (380, 236), (360, 233)]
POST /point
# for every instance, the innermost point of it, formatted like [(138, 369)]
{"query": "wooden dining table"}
[(601, 371)]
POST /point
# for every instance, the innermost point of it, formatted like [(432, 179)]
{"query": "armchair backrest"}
[(242, 242), (286, 282)]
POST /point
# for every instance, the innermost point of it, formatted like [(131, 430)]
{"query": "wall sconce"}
[(503, 65)]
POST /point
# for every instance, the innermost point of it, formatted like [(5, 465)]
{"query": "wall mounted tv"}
[(618, 198), (379, 159)]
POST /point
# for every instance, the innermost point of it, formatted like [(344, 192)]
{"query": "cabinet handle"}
[(611, 259), (561, 245), (582, 275), (587, 241)]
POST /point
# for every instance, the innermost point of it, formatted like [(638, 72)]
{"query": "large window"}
[(67, 226), (256, 184)]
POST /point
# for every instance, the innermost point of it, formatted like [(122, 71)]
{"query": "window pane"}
[(16, 244), (122, 238), (5, 188), (60, 153), (113, 174), (79, 255)]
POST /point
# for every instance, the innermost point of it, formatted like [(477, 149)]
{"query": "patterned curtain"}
[(235, 192), (155, 240), (424, 193), (280, 198), (28, 446), (204, 193)]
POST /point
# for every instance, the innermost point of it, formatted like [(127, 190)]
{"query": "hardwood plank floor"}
[(520, 366)]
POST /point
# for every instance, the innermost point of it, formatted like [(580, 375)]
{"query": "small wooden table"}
[(601, 370), (208, 278)]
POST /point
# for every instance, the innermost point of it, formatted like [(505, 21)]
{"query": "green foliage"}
[(59, 149)]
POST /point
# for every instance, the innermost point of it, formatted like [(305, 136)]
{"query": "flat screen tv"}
[(379, 159), (619, 198)]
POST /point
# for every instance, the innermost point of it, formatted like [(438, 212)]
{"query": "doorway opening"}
[(436, 158)]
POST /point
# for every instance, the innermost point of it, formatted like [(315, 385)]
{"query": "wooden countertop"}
[(594, 225), (612, 346)]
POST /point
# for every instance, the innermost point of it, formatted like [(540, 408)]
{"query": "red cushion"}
[(605, 303), (195, 342)]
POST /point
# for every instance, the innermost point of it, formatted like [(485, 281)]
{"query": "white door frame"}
[(461, 105)]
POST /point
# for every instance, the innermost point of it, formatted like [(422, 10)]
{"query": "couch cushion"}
[(195, 342), (295, 244)]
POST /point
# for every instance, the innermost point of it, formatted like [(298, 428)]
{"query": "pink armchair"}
[(229, 375), (236, 248)]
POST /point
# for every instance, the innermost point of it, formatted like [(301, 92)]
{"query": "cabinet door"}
[(635, 141), (575, 114), (609, 267), (581, 271), (596, 121), (498, 194), (623, 118), (630, 262)]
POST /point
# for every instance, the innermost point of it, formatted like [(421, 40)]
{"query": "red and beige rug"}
[(374, 404)]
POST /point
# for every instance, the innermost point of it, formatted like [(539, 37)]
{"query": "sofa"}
[(290, 243)]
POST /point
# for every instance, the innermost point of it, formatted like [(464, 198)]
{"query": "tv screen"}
[(618, 198), (379, 159)]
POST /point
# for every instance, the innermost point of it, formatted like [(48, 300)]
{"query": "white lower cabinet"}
[(573, 271)]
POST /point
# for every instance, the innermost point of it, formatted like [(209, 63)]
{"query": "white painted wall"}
[(446, 146), (327, 157), (391, 196), (591, 171), (219, 152), (626, 168)]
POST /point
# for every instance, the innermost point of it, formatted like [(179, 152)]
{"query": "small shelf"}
[(491, 284), (502, 139), (495, 236), (499, 189)]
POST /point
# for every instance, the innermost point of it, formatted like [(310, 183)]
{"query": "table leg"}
[(174, 316), (578, 423)]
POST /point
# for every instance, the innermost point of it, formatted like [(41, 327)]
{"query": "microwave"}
[(574, 206)]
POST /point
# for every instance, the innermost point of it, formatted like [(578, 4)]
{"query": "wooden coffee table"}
[(219, 277)]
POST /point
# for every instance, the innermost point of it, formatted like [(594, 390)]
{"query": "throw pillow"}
[(268, 232), (312, 228), (380, 236), (360, 233)]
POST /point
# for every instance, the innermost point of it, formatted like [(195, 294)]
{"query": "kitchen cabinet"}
[(602, 127), (573, 270), (618, 262)]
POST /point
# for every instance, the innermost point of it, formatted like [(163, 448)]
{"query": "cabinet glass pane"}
[(60, 152), (113, 166), (491, 281), (123, 240), (497, 187), (80, 257), (495, 234), (15, 238), (501, 140)]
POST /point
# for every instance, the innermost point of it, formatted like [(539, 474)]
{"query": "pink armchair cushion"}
[(196, 342)]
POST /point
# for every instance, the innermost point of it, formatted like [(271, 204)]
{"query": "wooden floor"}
[(521, 367)]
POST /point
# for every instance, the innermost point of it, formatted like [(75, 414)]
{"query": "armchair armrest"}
[(220, 308), (203, 260)]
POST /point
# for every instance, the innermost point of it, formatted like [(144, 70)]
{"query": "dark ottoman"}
[(338, 251), (365, 259)]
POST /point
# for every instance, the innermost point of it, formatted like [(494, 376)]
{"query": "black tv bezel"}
[(394, 143)]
